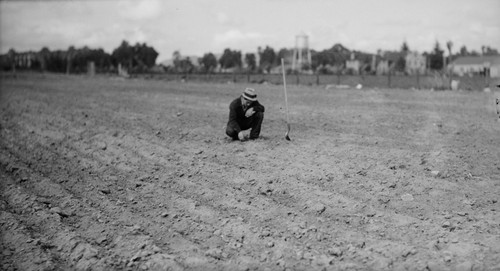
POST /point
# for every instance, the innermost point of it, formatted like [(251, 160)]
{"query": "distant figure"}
[(245, 112)]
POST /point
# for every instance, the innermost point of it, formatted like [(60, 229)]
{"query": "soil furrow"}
[(139, 175)]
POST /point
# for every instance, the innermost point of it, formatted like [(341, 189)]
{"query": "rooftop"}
[(476, 60)]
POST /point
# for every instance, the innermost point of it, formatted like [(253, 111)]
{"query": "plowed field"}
[(110, 174)]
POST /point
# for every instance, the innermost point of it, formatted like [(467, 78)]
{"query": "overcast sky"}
[(195, 27)]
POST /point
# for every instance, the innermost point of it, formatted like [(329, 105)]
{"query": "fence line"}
[(417, 81)]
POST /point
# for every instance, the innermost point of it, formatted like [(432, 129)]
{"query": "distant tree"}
[(78, 59), (139, 56), (285, 54), (102, 60), (208, 62), (11, 59), (44, 56), (320, 60), (70, 55), (335, 57), (176, 56), (81, 57), (488, 51), (365, 60), (463, 51), (124, 55), (449, 45), (314, 60), (56, 61), (339, 48), (4, 63), (436, 57), (400, 64), (230, 59), (187, 65), (267, 59), (145, 55), (404, 48), (226, 60), (341, 54), (326, 57), (182, 65), (474, 53), (251, 61), (238, 59)]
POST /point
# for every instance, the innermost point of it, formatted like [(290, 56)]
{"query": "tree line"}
[(327, 61), (134, 58), (142, 58)]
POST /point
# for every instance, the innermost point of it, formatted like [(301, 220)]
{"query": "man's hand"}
[(241, 136), (249, 112)]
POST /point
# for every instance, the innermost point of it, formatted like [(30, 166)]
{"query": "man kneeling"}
[(245, 113)]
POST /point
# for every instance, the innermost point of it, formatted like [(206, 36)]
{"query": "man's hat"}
[(250, 94)]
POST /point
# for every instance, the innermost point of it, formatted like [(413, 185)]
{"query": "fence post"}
[(418, 79), (451, 79), (389, 79), (317, 78), (486, 79)]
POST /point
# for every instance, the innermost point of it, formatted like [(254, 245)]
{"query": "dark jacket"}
[(237, 117)]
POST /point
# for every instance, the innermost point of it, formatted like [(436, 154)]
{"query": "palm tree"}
[(449, 44)]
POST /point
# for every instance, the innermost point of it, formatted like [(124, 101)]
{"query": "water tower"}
[(301, 52)]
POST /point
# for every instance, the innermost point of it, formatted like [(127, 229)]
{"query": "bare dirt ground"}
[(109, 174)]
